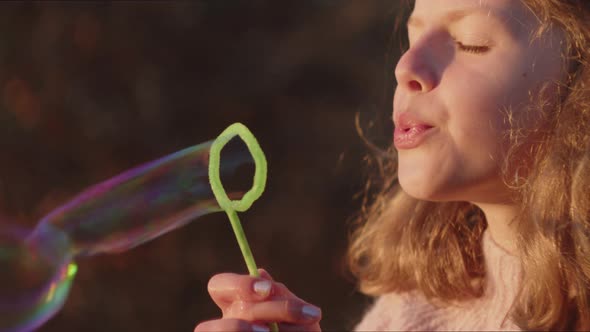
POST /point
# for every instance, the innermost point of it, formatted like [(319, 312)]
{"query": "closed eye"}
[(476, 49)]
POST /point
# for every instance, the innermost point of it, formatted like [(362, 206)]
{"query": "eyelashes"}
[(475, 49)]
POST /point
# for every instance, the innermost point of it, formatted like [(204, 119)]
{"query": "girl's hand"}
[(250, 304)]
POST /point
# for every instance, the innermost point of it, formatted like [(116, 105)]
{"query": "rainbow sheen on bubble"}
[(37, 267), (35, 280)]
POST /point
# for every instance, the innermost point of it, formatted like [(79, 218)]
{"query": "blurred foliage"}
[(89, 90)]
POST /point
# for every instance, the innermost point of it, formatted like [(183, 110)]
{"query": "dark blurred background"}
[(89, 90)]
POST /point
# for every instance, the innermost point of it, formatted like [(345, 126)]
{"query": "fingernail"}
[(262, 287), (260, 328), (310, 312)]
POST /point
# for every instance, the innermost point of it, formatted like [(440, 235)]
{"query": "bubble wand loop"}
[(232, 207)]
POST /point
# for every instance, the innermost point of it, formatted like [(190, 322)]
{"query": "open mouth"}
[(410, 137), (417, 128)]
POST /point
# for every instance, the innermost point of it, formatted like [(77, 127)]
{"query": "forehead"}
[(513, 12), (441, 5)]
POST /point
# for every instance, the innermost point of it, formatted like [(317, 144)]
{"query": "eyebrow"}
[(456, 15)]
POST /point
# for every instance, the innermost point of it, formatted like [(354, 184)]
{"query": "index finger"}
[(226, 288)]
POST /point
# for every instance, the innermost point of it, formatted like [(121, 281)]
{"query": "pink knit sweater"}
[(412, 312)]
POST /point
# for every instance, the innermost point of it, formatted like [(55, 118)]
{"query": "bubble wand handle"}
[(232, 207), (243, 243)]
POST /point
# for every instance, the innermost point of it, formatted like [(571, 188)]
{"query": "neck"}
[(501, 224)]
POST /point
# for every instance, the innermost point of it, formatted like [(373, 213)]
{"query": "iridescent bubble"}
[(38, 267), (35, 279), (142, 203)]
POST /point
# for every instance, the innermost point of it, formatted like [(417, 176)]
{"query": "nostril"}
[(415, 85)]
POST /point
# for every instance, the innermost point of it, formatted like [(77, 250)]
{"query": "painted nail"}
[(260, 328), (262, 287), (310, 312)]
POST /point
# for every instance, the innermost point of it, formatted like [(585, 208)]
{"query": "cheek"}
[(479, 127), (480, 98), (492, 105)]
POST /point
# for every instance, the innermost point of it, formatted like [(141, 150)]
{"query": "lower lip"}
[(411, 138)]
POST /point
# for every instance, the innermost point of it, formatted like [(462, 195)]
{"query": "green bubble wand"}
[(232, 207)]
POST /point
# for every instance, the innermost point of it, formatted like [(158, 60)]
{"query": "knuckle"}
[(211, 287), (216, 280), (238, 309), (229, 283), (245, 287)]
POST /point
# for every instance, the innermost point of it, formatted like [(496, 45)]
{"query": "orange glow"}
[(20, 100)]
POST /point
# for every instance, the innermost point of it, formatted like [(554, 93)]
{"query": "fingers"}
[(225, 288), (230, 325), (279, 287), (254, 300), (292, 311)]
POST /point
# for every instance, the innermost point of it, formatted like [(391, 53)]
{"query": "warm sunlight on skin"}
[(468, 61)]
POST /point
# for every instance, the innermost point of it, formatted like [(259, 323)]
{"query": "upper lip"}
[(408, 120)]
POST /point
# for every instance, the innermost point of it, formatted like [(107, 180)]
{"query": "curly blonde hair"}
[(400, 243)]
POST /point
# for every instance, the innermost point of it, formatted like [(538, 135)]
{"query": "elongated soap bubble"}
[(142, 203), (37, 268)]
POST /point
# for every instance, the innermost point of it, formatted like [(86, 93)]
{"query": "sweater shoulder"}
[(409, 311), (413, 312)]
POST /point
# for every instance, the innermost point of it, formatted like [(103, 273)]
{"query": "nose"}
[(415, 72)]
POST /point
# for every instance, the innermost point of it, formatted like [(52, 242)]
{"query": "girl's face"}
[(469, 61)]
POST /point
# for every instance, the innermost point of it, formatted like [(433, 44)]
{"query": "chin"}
[(450, 191), (429, 190), (422, 178), (419, 191)]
